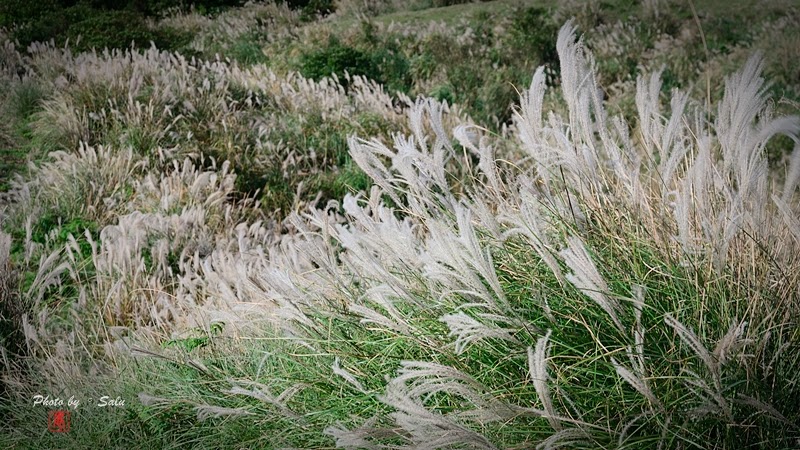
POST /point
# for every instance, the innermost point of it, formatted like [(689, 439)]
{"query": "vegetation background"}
[(401, 224)]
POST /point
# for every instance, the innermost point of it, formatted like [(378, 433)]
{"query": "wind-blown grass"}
[(619, 286)]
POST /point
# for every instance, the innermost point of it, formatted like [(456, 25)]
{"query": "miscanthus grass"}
[(619, 287)]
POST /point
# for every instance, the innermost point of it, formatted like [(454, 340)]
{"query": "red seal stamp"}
[(58, 421)]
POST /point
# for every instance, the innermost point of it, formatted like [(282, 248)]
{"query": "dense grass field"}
[(400, 224)]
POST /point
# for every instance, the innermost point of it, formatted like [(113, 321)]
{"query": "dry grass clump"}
[(234, 33), (160, 103)]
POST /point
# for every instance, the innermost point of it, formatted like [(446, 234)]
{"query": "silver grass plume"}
[(205, 412), (587, 279), (637, 376), (531, 223), (261, 393), (468, 330), (150, 400), (407, 393), (347, 375), (793, 175), (358, 438), (537, 367), (568, 437), (459, 262)]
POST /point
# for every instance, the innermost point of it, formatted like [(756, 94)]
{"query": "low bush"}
[(337, 58)]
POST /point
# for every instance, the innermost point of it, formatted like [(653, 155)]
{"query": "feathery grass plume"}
[(638, 377), (205, 412), (427, 429), (344, 373), (459, 262), (419, 168), (366, 155), (486, 163), (369, 315), (793, 175), (637, 382), (90, 180), (5, 251), (565, 438), (180, 249), (789, 217), (530, 125), (690, 338), (638, 333), (711, 399), (421, 380), (673, 144), (375, 232), (358, 438), (531, 222), (583, 97), (587, 279), (764, 407), (386, 297), (743, 125), (150, 400), (261, 393), (468, 330), (537, 368), (649, 114), (381, 248), (48, 274), (730, 344)]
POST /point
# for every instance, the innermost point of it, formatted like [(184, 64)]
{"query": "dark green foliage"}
[(22, 11), (100, 24), (155, 7), (247, 51), (317, 8), (383, 62), (439, 3), (311, 9), (533, 32), (112, 29), (330, 174), (53, 230), (724, 33), (444, 93), (11, 311), (25, 99), (337, 58), (25, 12), (393, 68), (200, 338), (22, 102)]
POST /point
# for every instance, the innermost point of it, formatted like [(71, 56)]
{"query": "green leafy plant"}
[(337, 58), (202, 339)]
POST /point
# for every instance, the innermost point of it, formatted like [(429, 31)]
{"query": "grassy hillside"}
[(509, 224)]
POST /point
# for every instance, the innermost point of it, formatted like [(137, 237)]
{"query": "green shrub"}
[(120, 29), (23, 11), (393, 68), (52, 231), (317, 8), (247, 51), (534, 33), (112, 29), (725, 33), (99, 25), (53, 24), (337, 58)]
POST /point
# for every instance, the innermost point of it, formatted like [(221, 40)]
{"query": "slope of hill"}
[(506, 224)]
